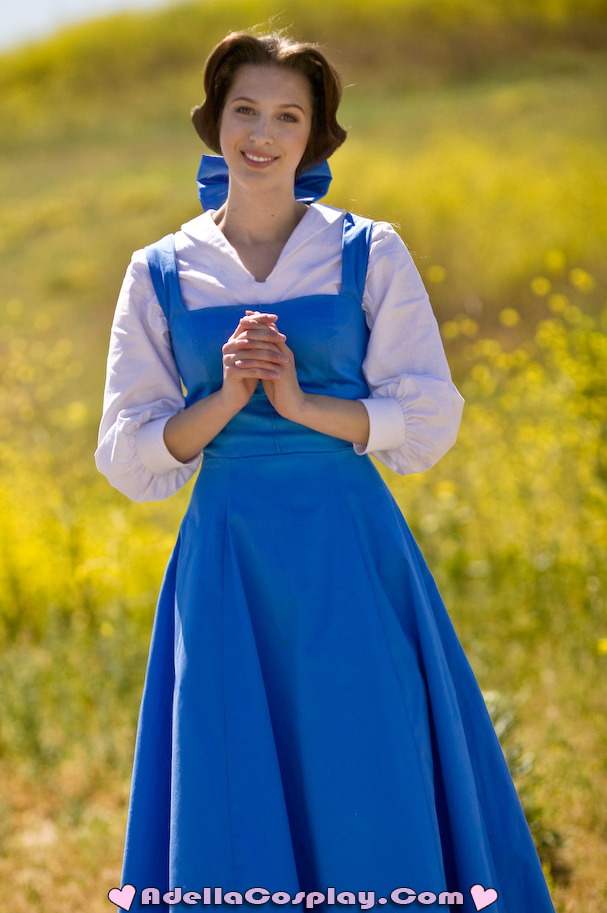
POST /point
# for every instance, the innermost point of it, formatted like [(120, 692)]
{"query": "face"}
[(265, 126)]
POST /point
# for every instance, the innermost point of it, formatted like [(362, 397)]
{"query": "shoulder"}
[(389, 255), (137, 281), (137, 304), (385, 241), (392, 275)]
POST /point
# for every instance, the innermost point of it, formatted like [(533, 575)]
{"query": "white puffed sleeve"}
[(414, 408), (142, 391)]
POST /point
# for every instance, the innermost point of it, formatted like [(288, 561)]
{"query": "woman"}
[(310, 726)]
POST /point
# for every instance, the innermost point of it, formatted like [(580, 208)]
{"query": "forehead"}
[(268, 82)]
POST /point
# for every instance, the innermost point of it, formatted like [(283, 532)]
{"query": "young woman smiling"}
[(310, 726)]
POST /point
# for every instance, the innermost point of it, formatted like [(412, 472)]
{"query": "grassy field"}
[(479, 130)]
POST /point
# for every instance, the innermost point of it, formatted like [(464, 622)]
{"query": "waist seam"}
[(210, 455)]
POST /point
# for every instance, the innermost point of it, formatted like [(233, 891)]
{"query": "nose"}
[(261, 131)]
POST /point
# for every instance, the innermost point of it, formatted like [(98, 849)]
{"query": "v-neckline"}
[(291, 241)]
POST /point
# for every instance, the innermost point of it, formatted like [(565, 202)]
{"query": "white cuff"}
[(386, 425), (152, 450)]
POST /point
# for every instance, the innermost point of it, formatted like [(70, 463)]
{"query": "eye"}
[(289, 118), (244, 109)]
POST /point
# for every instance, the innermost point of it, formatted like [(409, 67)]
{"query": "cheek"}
[(305, 145), (226, 129), (308, 133), (303, 137)]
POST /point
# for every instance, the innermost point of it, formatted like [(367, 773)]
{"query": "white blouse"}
[(414, 408)]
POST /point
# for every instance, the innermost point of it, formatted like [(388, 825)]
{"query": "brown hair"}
[(239, 48)]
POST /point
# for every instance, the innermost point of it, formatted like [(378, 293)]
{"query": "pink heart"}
[(482, 897), (123, 898)]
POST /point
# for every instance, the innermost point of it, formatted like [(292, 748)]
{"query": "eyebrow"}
[(253, 102)]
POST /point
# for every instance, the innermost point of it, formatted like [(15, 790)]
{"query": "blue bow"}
[(213, 179)]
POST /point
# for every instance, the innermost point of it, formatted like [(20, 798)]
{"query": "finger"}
[(275, 345), (270, 348), (261, 370), (259, 335), (254, 364), (243, 343), (253, 317), (262, 329), (252, 358), (254, 320)]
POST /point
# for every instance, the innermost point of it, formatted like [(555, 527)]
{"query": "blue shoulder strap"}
[(355, 258), (165, 279), (355, 255)]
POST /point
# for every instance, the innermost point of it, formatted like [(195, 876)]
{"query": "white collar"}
[(317, 219), (201, 235)]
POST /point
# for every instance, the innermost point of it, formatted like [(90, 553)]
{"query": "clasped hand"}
[(255, 351)]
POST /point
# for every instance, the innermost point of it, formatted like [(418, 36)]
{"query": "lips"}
[(257, 160)]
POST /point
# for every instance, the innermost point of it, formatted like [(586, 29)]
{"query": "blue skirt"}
[(310, 725)]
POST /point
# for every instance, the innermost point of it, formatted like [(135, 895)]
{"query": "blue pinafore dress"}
[(309, 721)]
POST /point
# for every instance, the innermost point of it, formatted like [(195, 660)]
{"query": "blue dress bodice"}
[(328, 335)]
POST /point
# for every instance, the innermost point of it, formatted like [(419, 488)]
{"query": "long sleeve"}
[(414, 409), (142, 392)]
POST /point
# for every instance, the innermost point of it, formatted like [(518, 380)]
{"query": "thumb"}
[(263, 314)]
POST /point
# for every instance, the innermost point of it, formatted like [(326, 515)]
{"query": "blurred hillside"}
[(478, 128)]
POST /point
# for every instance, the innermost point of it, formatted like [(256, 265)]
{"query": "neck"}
[(259, 218)]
